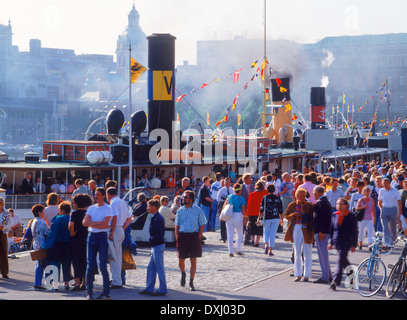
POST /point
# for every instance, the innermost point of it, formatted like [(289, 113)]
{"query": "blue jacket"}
[(59, 231), (322, 215), (344, 236), (157, 230)]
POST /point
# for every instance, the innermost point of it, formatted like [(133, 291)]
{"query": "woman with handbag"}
[(57, 244), (272, 210), (5, 227), (40, 231), (368, 205), (299, 231), (235, 223)]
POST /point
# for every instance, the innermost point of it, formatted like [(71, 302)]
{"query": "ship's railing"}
[(22, 201)]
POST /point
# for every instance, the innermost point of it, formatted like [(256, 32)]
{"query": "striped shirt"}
[(190, 219)]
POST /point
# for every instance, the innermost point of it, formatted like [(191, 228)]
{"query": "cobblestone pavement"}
[(216, 271)]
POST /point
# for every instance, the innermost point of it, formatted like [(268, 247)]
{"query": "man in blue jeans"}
[(206, 199), (156, 265), (97, 219)]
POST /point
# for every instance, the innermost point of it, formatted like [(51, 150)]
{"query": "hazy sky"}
[(92, 26)]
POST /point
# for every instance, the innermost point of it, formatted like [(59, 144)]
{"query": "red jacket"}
[(254, 202)]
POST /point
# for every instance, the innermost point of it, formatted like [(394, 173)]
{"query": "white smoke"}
[(325, 64), (324, 81), (330, 58)]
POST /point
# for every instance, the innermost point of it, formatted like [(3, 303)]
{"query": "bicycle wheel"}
[(404, 284), (395, 279), (370, 277)]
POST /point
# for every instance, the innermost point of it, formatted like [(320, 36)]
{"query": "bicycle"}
[(397, 277), (371, 273)]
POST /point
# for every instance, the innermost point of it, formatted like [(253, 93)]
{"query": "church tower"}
[(6, 35), (135, 37)]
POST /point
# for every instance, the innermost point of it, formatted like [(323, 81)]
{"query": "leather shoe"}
[(332, 286), (146, 293), (115, 286), (320, 281)]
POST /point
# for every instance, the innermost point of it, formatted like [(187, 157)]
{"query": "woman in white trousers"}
[(235, 224), (299, 231)]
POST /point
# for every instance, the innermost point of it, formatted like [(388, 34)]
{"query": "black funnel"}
[(114, 121), (138, 122)]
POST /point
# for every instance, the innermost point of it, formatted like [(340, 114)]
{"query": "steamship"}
[(278, 146)]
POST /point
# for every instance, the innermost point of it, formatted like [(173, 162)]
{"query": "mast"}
[(388, 106), (130, 128), (264, 59)]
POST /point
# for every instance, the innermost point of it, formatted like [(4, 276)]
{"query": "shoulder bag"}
[(260, 219), (226, 213), (38, 254), (360, 214)]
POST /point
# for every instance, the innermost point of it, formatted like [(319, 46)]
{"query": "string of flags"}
[(236, 77), (381, 94)]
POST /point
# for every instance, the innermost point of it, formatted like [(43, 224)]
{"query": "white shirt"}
[(156, 183), (16, 220), (49, 213), (99, 214), (62, 188), (223, 193), (216, 186), (277, 184), (119, 208), (389, 198)]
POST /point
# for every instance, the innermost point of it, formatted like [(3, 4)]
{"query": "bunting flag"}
[(279, 82), (263, 69), (288, 107), (239, 119), (207, 118), (254, 64), (235, 101), (236, 75), (294, 117), (179, 99), (283, 90), (177, 118), (136, 70), (226, 118)]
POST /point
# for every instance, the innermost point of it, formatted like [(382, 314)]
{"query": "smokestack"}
[(318, 108), (161, 82), (281, 97)]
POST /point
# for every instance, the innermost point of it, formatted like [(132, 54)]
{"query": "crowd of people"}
[(91, 230)]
